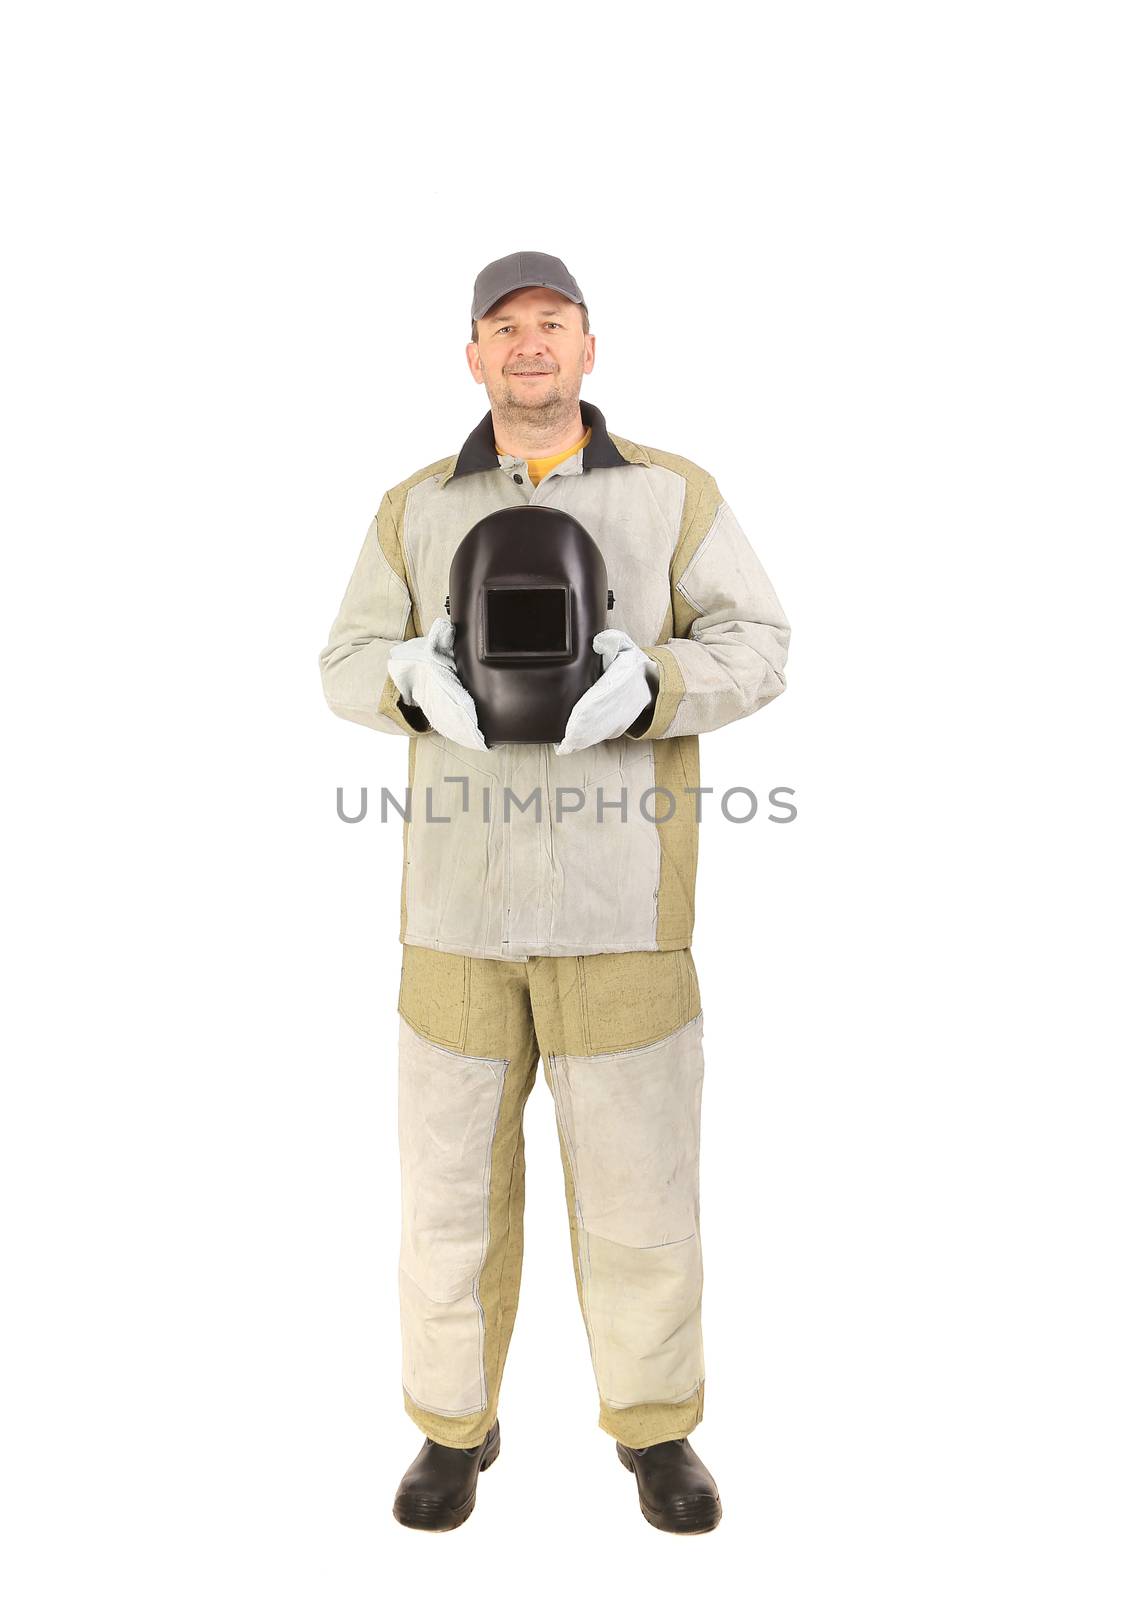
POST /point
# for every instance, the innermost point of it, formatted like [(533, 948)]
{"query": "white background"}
[(864, 264)]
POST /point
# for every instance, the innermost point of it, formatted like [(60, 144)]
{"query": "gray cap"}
[(523, 270)]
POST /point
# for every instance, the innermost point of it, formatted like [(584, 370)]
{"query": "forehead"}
[(530, 302)]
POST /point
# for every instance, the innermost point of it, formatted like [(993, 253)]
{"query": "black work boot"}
[(676, 1491), (439, 1489)]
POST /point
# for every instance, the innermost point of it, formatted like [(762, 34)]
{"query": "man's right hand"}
[(424, 673)]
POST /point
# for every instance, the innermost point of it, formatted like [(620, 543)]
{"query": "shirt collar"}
[(478, 453)]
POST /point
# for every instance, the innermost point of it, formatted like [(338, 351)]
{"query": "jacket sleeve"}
[(377, 612), (729, 639)]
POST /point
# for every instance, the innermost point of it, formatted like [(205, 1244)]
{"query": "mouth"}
[(530, 374)]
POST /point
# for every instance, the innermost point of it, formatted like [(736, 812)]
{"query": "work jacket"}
[(505, 854)]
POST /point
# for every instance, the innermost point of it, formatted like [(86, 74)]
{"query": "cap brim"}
[(534, 283)]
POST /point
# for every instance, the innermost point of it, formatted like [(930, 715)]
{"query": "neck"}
[(528, 442)]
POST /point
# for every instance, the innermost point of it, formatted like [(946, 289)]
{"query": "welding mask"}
[(527, 594)]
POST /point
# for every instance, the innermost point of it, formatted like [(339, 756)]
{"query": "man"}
[(537, 928)]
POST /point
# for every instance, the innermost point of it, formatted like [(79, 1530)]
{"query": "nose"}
[(531, 350)]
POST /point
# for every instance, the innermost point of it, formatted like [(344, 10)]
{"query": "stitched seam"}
[(584, 1002), (567, 1134), (665, 1244), (697, 553), (448, 1045), (507, 1236), (600, 1055), (435, 1300), (627, 1405), (425, 943), (486, 1234), (407, 555), (490, 1061), (439, 1411), (584, 1263), (463, 1030)]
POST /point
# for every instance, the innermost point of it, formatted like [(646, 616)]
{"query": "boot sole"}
[(432, 1517), (673, 1522)]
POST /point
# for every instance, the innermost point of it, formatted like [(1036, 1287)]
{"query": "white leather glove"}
[(625, 689), (424, 674)]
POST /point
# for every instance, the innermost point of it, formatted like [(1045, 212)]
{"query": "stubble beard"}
[(540, 413)]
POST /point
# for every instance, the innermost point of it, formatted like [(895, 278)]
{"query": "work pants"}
[(620, 1036)]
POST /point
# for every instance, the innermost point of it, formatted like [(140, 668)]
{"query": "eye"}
[(508, 326)]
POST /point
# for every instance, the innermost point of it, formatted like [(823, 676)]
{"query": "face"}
[(531, 355)]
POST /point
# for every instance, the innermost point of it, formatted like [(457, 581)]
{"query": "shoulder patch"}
[(635, 454), (400, 491), (690, 470)]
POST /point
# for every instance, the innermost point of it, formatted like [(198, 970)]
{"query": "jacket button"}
[(516, 478)]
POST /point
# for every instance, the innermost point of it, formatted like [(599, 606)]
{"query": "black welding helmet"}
[(527, 594)]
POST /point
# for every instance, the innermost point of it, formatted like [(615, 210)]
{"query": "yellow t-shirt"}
[(539, 468)]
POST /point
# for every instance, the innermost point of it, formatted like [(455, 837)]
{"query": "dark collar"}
[(478, 454)]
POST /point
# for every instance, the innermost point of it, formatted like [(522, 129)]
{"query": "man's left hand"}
[(626, 688)]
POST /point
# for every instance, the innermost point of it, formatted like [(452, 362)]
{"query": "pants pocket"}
[(635, 997), (433, 994)]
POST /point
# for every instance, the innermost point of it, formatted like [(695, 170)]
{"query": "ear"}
[(472, 356)]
